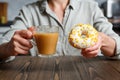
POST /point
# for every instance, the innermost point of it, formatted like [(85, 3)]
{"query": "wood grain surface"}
[(60, 68)]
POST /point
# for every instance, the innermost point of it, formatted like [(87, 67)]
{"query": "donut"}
[(83, 36)]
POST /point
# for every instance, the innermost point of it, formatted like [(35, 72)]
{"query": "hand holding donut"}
[(93, 50), (85, 37)]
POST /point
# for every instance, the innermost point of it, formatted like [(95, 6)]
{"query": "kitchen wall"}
[(15, 5)]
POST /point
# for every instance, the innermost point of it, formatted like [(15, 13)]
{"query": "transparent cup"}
[(45, 38)]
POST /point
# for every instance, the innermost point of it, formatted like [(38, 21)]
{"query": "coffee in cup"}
[(46, 38)]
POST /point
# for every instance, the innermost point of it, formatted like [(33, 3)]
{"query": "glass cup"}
[(46, 38)]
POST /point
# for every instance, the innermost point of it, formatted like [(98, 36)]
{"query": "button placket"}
[(65, 20)]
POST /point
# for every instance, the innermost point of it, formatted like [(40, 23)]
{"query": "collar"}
[(73, 3), (44, 5)]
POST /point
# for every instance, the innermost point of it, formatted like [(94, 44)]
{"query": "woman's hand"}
[(92, 51), (20, 42)]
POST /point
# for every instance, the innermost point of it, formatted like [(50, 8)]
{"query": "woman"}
[(64, 13)]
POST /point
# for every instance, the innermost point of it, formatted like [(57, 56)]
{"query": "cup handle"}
[(33, 42)]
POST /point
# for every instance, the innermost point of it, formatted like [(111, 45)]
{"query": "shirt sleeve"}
[(102, 24), (22, 21), (11, 58)]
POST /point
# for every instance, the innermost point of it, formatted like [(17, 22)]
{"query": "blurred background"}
[(13, 7), (10, 8)]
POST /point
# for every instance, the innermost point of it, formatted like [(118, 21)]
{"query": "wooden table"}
[(60, 68)]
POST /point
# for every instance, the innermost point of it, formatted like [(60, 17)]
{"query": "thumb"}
[(26, 34), (32, 29)]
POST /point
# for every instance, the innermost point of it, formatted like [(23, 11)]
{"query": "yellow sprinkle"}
[(71, 36), (77, 40), (75, 45), (73, 32)]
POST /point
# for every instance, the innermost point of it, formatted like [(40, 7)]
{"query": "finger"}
[(22, 41), (96, 46), (20, 51), (90, 54), (25, 34), (26, 48), (16, 49), (31, 29), (93, 48)]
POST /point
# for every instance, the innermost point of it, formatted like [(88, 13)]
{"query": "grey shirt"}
[(78, 11)]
